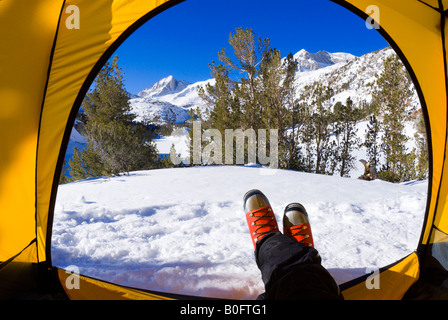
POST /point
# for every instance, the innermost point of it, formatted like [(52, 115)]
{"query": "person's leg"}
[(291, 270), (290, 266)]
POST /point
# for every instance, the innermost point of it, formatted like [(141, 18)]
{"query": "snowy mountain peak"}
[(348, 75), (313, 61), (168, 85)]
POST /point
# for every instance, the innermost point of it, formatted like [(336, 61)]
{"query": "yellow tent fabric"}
[(104, 290), (71, 39), (391, 283), (40, 93)]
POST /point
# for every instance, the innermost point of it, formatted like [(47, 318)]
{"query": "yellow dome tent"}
[(50, 52)]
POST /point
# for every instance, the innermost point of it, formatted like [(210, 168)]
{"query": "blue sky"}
[(184, 39)]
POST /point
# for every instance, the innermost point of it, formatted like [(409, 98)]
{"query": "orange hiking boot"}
[(259, 215), (297, 225)]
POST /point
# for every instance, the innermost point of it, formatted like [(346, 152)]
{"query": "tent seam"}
[(427, 4), (443, 36), (53, 48)]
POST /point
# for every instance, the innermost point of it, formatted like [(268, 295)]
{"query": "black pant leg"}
[(291, 270)]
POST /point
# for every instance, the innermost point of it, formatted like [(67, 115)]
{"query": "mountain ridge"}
[(308, 61), (349, 76), (164, 86)]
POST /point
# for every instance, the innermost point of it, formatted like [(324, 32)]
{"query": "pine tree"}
[(248, 56), (115, 144), (307, 132), (346, 117), (220, 100), (371, 141), (195, 151), (296, 117), (321, 120), (273, 91), (170, 117), (394, 96), (64, 178), (247, 93), (422, 148)]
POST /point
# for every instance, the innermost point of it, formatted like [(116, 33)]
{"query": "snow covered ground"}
[(183, 230)]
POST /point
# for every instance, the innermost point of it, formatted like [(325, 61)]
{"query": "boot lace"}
[(265, 221), (300, 234)]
